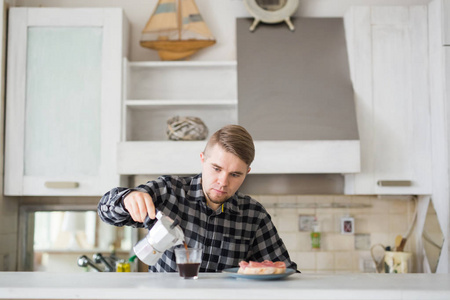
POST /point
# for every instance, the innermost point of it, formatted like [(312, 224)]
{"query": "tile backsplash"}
[(377, 220)]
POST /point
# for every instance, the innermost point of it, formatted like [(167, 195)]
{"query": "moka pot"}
[(164, 234)]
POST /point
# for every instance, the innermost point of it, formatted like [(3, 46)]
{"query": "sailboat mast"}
[(180, 25)]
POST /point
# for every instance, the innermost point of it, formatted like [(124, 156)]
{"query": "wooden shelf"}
[(155, 91), (143, 157)]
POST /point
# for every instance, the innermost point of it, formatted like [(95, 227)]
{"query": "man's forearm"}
[(112, 211)]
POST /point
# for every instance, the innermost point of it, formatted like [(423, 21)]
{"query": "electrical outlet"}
[(362, 241), (366, 264), (305, 222)]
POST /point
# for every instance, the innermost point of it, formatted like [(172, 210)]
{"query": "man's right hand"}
[(139, 205)]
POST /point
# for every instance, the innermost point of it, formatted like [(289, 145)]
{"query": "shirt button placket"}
[(210, 240)]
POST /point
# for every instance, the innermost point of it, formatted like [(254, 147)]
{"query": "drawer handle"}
[(394, 182), (61, 184)]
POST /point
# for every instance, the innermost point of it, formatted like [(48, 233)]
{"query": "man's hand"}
[(139, 205)]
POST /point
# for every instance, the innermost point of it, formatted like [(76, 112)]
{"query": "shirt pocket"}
[(232, 251)]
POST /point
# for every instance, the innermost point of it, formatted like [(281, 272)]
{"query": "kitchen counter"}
[(38, 285)]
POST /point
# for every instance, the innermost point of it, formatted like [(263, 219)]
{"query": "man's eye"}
[(235, 175), (216, 169)]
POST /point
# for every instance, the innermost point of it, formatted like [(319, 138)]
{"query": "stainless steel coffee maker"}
[(164, 234)]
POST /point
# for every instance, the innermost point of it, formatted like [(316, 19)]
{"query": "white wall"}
[(219, 15)]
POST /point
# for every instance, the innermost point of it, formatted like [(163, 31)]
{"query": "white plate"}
[(233, 272)]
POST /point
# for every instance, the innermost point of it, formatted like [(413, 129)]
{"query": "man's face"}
[(222, 175)]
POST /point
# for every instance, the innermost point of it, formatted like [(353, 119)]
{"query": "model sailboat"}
[(176, 30)]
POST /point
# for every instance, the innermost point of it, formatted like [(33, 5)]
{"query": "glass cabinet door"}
[(62, 105)]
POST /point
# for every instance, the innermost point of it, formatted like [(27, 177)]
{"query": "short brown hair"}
[(236, 140)]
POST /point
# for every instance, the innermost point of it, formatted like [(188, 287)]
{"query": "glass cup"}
[(188, 261)]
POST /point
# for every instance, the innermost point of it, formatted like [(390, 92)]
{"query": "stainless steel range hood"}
[(296, 98)]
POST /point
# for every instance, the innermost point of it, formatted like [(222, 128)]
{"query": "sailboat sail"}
[(176, 29), (193, 25), (163, 23)]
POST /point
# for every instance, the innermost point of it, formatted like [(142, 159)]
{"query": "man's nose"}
[(223, 179)]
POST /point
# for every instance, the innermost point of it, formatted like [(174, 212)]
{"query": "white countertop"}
[(38, 285)]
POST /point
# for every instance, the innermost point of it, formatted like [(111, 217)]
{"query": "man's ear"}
[(202, 157), (248, 171)]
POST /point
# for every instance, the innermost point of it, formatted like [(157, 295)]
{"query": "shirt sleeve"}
[(111, 208), (268, 245)]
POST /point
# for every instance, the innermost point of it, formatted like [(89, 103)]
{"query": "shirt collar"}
[(231, 205)]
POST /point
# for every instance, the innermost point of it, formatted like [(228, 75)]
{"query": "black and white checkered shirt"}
[(241, 229)]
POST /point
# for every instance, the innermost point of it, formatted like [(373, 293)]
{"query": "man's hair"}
[(234, 139)]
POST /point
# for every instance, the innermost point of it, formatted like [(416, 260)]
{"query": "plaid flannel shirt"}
[(241, 229)]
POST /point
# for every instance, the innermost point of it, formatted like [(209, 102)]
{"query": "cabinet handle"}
[(394, 182), (61, 184)]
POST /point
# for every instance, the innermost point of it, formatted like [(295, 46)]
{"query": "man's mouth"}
[(219, 191)]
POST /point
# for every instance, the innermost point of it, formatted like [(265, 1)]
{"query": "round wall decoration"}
[(271, 11)]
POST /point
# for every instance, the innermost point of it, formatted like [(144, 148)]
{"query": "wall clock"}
[(271, 11)]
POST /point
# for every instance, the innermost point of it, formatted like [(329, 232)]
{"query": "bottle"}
[(315, 235), (122, 266)]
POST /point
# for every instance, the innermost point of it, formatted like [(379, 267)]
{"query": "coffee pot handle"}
[(149, 222)]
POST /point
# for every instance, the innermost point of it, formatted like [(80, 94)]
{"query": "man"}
[(227, 225)]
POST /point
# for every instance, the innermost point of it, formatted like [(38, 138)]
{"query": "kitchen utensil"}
[(397, 262), (391, 261), (163, 235), (402, 245), (399, 243)]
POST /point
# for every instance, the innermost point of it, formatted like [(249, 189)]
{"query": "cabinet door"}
[(63, 100), (445, 15), (389, 71)]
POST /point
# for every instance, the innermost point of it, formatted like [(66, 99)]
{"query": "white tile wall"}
[(381, 223)]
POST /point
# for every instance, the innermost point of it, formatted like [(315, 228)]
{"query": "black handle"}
[(148, 222), (175, 223)]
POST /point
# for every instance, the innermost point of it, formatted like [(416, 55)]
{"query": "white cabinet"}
[(439, 53), (389, 68), (157, 91), (63, 102), (444, 18)]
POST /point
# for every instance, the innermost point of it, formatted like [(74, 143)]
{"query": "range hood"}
[(295, 97)]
